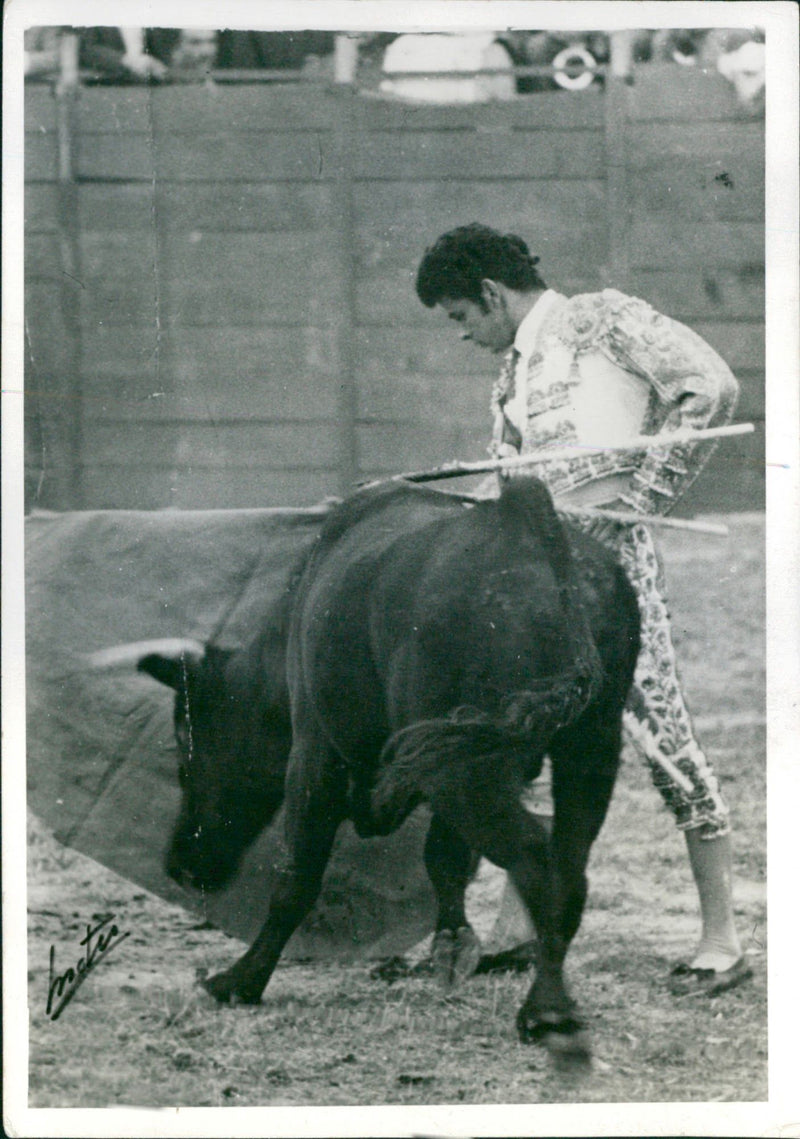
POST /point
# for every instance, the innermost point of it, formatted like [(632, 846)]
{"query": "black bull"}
[(425, 651)]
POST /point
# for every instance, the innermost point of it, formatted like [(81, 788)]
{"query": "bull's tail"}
[(528, 501), (418, 759)]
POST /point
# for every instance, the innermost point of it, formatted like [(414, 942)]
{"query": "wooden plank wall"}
[(214, 289), (52, 315), (695, 218), (535, 167)]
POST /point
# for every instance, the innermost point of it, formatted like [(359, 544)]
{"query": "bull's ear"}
[(169, 670)]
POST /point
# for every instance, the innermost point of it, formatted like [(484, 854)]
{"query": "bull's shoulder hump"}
[(389, 498)]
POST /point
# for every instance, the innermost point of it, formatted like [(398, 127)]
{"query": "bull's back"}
[(482, 617), (416, 604)]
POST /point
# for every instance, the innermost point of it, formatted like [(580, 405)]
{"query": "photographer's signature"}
[(98, 942)]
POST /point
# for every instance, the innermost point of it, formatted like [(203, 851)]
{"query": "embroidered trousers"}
[(656, 719)]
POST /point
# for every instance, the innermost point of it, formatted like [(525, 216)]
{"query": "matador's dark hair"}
[(460, 259)]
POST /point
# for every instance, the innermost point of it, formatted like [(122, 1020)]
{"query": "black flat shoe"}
[(684, 980)]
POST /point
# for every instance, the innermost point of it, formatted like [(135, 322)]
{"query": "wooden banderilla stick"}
[(574, 450), (630, 518)]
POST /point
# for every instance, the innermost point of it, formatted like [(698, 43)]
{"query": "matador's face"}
[(487, 324)]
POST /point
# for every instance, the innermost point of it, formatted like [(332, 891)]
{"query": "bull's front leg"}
[(479, 798), (548, 1011), (585, 763), (314, 807)]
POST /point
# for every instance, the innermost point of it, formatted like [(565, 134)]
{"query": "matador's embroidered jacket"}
[(600, 368)]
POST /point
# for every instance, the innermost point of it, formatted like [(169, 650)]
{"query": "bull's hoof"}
[(229, 989), (455, 955), (517, 960), (563, 1035), (391, 969)]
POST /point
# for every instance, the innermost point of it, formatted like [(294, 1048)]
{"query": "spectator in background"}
[(41, 52), (738, 54), (448, 52), (127, 55), (676, 45), (195, 53), (290, 51), (745, 68)]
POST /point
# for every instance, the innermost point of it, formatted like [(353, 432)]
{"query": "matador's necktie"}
[(504, 430)]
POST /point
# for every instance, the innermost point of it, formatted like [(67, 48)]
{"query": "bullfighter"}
[(603, 368)]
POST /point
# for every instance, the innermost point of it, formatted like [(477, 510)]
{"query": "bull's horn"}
[(131, 653)]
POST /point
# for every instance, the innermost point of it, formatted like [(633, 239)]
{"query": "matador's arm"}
[(693, 388)]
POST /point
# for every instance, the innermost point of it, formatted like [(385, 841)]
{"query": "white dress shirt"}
[(603, 404)]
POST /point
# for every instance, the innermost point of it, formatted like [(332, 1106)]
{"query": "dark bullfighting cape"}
[(101, 746)]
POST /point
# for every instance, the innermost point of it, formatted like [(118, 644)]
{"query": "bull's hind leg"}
[(314, 807), (450, 864)]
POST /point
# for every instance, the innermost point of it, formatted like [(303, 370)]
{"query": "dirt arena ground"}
[(140, 1032)]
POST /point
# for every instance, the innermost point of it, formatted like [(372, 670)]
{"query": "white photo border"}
[(780, 1115)]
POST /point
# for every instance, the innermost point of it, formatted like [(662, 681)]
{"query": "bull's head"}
[(233, 737), (233, 734)]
